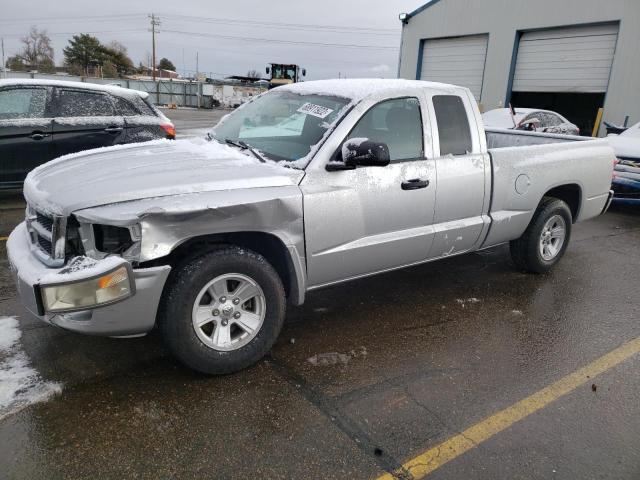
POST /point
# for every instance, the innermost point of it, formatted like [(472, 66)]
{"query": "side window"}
[(144, 105), (22, 103), (398, 123), (74, 103), (453, 125), (125, 107)]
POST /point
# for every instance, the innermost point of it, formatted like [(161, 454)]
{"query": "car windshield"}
[(281, 126)]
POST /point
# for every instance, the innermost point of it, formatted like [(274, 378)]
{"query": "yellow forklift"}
[(283, 74)]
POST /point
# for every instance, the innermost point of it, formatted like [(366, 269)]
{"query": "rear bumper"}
[(133, 316), (627, 191), (608, 203)]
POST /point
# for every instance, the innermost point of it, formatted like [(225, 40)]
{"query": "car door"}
[(461, 168), (85, 119), (25, 132), (370, 219)]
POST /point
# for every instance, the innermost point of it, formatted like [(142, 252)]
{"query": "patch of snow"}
[(356, 89), (67, 83), (335, 358), (80, 268), (90, 120), (350, 146), (463, 301), (330, 358), (20, 384)]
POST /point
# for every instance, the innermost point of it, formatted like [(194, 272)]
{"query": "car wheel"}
[(222, 311), (546, 238)]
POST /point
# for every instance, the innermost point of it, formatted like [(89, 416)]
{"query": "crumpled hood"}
[(144, 170)]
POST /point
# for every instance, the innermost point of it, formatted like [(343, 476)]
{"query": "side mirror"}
[(268, 70), (304, 72), (366, 153)]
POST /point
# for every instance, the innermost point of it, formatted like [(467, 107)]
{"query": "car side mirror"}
[(304, 72), (268, 70), (365, 153)]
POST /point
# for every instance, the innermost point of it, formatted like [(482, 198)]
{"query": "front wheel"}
[(546, 238), (222, 311)]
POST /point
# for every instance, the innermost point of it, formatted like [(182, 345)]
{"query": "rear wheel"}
[(546, 238), (222, 311)]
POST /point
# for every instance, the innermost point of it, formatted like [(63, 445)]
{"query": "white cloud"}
[(382, 68)]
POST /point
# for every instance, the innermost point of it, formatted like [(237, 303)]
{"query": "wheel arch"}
[(285, 259), (571, 194)]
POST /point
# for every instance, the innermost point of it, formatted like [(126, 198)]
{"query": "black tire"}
[(175, 311), (525, 251)]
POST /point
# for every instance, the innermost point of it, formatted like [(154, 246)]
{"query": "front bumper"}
[(133, 316)]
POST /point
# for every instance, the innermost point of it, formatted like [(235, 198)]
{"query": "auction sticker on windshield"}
[(315, 110)]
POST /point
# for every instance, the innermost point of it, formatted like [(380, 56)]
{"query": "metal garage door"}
[(575, 59), (458, 60)]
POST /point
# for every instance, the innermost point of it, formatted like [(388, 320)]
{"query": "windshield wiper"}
[(245, 146)]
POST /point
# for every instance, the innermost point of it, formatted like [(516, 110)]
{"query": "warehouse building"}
[(571, 56)]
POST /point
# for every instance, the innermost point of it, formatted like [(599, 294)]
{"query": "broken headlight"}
[(111, 239)]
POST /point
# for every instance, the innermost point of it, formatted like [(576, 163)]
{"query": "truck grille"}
[(47, 234)]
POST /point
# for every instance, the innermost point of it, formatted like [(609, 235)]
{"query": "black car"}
[(41, 120)]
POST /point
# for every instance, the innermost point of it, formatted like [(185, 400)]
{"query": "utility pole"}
[(155, 22), (4, 68)]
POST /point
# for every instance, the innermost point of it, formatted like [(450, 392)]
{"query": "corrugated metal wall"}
[(164, 92), (458, 60), (575, 59)]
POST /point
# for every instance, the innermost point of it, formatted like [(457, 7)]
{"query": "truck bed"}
[(526, 165), (501, 138)]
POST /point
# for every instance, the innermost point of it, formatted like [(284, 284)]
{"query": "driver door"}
[(359, 222)]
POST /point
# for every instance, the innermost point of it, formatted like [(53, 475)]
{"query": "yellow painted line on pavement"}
[(432, 459)]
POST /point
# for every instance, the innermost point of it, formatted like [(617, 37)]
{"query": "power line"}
[(71, 19), (297, 26), (281, 41), (57, 34)]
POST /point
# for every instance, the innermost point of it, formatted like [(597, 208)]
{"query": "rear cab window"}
[(454, 130)]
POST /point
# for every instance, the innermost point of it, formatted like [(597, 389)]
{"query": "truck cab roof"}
[(360, 88)]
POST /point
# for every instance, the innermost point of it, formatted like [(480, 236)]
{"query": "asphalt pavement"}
[(463, 368), (190, 122)]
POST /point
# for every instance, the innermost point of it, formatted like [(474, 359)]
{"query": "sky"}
[(330, 38)]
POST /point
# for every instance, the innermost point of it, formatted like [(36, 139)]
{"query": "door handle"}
[(415, 184), (38, 135), (113, 129)]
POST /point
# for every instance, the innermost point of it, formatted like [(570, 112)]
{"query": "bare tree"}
[(37, 51), (253, 74)]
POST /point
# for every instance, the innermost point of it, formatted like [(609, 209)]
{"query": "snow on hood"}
[(153, 169)]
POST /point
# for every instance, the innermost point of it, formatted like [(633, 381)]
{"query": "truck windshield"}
[(282, 126)]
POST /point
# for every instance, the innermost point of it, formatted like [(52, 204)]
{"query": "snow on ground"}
[(20, 384)]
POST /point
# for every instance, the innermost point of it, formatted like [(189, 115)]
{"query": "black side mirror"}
[(267, 70), (304, 72), (366, 153)]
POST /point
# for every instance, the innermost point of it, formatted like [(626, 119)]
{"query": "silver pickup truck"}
[(305, 186)]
